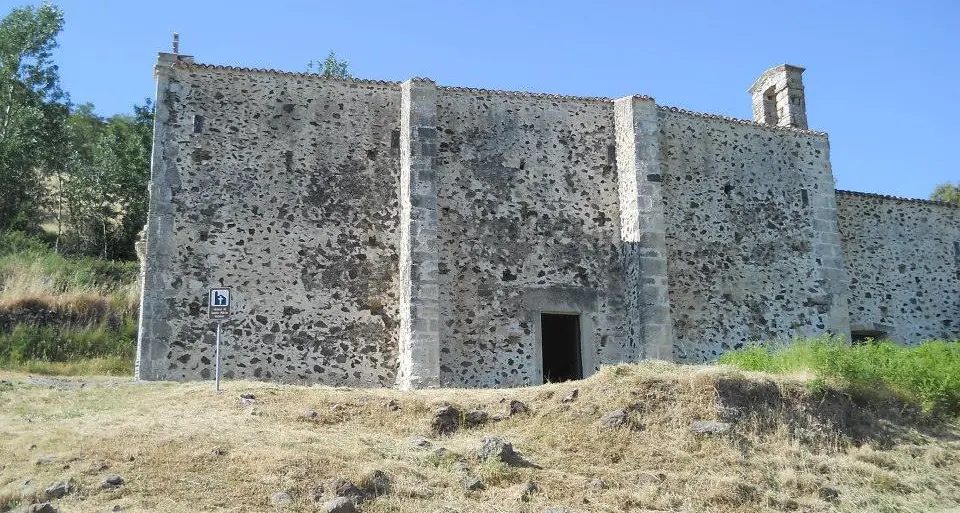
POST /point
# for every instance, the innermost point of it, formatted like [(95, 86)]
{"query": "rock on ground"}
[(517, 407), (446, 420), (340, 505), (471, 484), (112, 481), (496, 447), (709, 427), (57, 490), (475, 418), (615, 419), (281, 499), (343, 488), (44, 507)]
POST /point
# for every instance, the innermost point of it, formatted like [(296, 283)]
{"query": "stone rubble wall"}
[(283, 188), (903, 257), (528, 222), (749, 257), (380, 234)]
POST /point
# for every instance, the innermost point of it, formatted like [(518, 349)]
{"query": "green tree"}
[(104, 190), (330, 67), (32, 111), (947, 192)]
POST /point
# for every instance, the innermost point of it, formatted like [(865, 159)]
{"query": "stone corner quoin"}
[(380, 234)]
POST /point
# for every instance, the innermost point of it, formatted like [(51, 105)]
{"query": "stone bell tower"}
[(778, 97)]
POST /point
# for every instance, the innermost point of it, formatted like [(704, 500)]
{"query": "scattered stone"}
[(57, 490), (829, 494), (337, 407), (44, 507), (615, 419), (218, 451), (441, 452), (376, 483), (475, 418), (471, 483), (496, 447), (311, 414), (46, 460), (446, 420), (571, 396), (344, 488), (340, 505), (32, 447), (422, 443), (598, 484), (112, 481), (497, 417), (247, 399), (461, 466), (518, 407), (392, 405), (709, 427), (116, 507), (281, 499), (529, 488)]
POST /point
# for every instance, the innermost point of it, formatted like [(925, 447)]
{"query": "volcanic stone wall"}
[(753, 251), (528, 221), (284, 188), (903, 257)]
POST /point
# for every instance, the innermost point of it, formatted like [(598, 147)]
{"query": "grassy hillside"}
[(65, 315), (183, 448)]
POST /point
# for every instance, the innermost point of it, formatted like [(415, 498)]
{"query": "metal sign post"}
[(217, 369), (219, 310)]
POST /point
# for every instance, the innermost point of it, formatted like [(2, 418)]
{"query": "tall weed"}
[(928, 374)]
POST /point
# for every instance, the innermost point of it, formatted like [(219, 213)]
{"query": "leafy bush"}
[(928, 374), (27, 342), (12, 242)]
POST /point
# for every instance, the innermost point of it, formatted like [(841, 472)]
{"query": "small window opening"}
[(867, 336), (198, 124), (560, 338), (770, 114), (804, 199)]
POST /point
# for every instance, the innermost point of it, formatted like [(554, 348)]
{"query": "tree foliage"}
[(330, 67), (32, 111), (947, 192), (102, 199), (60, 166)]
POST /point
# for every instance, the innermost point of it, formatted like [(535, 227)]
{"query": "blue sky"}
[(881, 77)]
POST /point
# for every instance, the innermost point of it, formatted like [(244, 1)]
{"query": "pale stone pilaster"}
[(419, 340), (643, 228)]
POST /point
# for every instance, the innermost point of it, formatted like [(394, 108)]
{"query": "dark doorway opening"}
[(560, 341)]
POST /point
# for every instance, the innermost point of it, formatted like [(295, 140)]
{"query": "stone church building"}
[(410, 234)]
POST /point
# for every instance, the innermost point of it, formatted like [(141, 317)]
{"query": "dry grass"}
[(180, 447)]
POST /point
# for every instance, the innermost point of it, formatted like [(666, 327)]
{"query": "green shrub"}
[(27, 342), (19, 242), (928, 374)]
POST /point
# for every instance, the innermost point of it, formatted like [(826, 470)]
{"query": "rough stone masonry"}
[(379, 233)]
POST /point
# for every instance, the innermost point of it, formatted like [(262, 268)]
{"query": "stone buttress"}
[(642, 228), (419, 308)]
